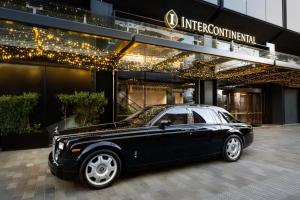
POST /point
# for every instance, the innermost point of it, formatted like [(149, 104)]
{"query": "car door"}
[(175, 138), (204, 133)]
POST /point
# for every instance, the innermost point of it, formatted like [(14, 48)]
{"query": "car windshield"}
[(142, 117)]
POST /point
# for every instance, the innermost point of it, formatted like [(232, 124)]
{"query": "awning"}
[(102, 43)]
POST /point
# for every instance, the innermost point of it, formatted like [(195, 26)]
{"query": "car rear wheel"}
[(232, 149), (100, 169)]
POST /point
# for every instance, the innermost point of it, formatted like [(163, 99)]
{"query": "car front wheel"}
[(232, 149), (100, 169)]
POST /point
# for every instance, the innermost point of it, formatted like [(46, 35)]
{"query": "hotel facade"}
[(243, 55)]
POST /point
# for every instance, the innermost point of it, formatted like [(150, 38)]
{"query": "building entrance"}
[(136, 94), (244, 104)]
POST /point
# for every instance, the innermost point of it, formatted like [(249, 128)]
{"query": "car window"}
[(203, 115), (198, 118), (215, 116), (175, 115), (223, 119), (141, 118), (229, 118)]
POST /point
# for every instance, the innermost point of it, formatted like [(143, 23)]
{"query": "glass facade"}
[(134, 95), (274, 12), (236, 5), (293, 15), (266, 10), (256, 8)]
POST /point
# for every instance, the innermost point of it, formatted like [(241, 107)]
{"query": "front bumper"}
[(59, 171), (248, 139)]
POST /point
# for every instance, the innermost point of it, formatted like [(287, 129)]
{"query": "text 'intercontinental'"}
[(171, 20)]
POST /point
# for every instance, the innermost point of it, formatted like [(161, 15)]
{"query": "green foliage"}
[(14, 113), (87, 107)]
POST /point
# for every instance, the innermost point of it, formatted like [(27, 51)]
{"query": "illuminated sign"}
[(172, 21)]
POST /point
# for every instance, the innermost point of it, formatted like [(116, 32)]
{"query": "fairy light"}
[(22, 43), (38, 40)]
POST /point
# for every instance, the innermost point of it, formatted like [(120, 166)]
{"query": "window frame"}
[(210, 111), (159, 116)]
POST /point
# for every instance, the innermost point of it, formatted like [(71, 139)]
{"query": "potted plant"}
[(87, 107), (16, 131)]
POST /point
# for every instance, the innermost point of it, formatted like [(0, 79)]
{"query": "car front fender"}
[(96, 146)]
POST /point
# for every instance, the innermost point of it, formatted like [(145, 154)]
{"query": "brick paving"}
[(269, 169)]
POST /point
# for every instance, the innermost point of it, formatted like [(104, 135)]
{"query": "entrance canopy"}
[(102, 43)]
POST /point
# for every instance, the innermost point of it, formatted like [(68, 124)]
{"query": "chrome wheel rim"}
[(233, 148), (101, 169)]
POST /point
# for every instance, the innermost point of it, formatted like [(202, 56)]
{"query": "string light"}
[(22, 43)]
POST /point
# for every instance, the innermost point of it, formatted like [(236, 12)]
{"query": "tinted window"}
[(144, 116), (205, 114), (222, 117), (215, 116), (198, 118), (229, 118), (176, 116)]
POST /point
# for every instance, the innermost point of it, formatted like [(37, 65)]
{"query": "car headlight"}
[(61, 145)]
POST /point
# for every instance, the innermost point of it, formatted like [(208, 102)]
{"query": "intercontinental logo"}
[(172, 21)]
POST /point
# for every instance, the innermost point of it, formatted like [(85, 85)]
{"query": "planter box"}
[(24, 141)]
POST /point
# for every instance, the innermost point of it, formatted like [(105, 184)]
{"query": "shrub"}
[(14, 113), (87, 107)]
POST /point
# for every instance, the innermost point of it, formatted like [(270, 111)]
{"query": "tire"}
[(232, 148), (100, 169)]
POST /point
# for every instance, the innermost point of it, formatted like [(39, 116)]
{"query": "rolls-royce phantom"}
[(156, 135)]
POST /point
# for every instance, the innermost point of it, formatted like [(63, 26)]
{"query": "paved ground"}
[(269, 169)]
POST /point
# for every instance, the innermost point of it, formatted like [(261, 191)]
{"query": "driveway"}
[(269, 169)]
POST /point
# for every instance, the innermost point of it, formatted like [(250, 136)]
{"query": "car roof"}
[(215, 108)]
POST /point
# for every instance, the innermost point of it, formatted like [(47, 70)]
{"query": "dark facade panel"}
[(291, 106), (16, 79), (288, 42), (48, 82), (106, 82), (63, 80), (156, 9)]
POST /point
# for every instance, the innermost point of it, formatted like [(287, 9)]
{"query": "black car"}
[(156, 135)]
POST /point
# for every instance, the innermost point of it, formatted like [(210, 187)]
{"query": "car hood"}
[(102, 132)]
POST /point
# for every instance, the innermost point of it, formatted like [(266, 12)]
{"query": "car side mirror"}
[(164, 123)]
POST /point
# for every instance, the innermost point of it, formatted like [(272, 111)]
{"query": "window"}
[(229, 118), (141, 118), (274, 12), (198, 118), (257, 9), (203, 115), (267, 10), (293, 15), (175, 115), (236, 5), (222, 117)]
